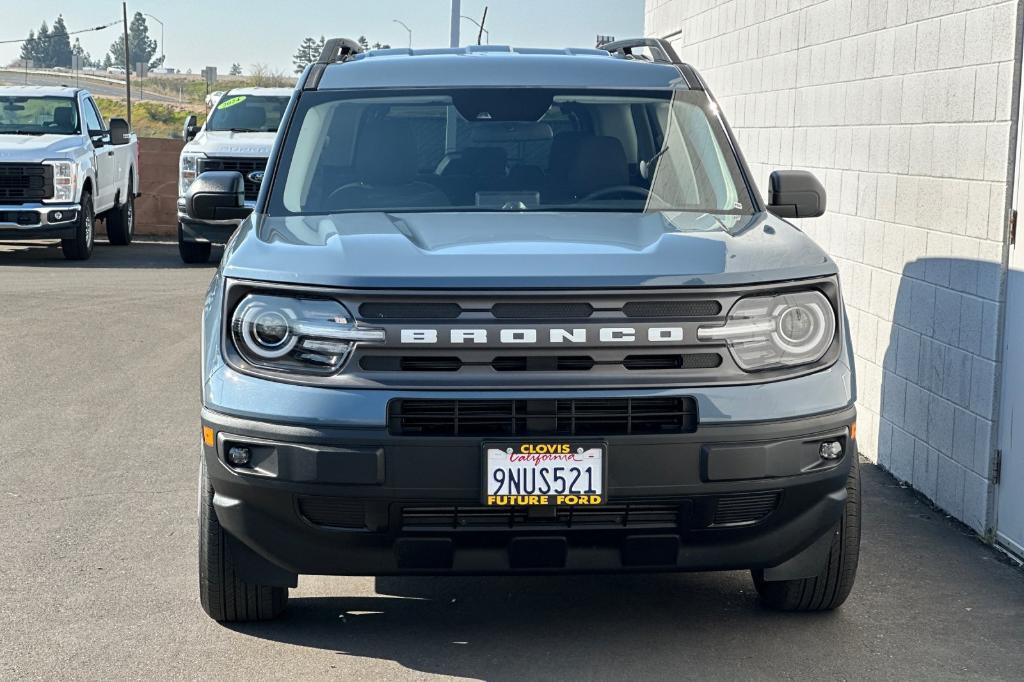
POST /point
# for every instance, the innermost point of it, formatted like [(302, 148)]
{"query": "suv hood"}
[(516, 250), (36, 147), (227, 143)]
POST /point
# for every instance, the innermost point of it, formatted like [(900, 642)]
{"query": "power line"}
[(69, 33)]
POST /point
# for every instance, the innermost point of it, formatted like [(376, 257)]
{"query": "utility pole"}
[(456, 13), (127, 64)]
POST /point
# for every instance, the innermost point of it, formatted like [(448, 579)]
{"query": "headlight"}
[(298, 335), (65, 180), (188, 167), (766, 332)]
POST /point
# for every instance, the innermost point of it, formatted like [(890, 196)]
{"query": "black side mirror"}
[(217, 195), (100, 138), (795, 194), (120, 132), (190, 129)]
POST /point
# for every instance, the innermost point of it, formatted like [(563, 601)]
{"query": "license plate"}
[(549, 473)]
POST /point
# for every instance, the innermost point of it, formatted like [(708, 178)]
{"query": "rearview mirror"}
[(217, 195), (190, 129), (120, 132), (795, 194)]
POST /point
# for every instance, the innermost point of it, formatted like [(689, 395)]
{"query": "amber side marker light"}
[(853, 431), (208, 436)]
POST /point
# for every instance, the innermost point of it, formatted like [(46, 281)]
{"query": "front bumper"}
[(38, 221), (339, 501), (212, 231)]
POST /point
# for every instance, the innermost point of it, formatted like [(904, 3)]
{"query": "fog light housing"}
[(60, 216), (239, 456), (830, 450)]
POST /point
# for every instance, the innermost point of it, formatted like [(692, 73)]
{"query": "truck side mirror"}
[(120, 132), (217, 195), (795, 194), (190, 129)]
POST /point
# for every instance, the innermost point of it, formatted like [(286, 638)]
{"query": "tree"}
[(42, 50), (308, 52), (60, 44), (141, 48), (29, 48), (365, 44), (107, 61), (236, 69)]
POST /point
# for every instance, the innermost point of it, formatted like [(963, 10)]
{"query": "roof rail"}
[(339, 50), (661, 50)]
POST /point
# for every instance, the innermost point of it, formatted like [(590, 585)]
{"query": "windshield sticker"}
[(231, 102)]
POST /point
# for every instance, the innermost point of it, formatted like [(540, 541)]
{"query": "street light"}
[(406, 27), (480, 26), (162, 56)]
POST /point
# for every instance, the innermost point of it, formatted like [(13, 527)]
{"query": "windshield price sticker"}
[(230, 102), (544, 474)]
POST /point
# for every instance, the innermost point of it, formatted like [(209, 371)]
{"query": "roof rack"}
[(662, 51), (339, 50)]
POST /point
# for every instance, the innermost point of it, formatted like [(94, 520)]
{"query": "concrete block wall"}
[(903, 110)]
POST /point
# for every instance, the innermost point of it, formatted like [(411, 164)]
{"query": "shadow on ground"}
[(141, 254), (924, 582)]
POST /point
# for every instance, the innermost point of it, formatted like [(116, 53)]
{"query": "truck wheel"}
[(80, 246), (223, 595), (121, 220), (192, 252), (831, 588)]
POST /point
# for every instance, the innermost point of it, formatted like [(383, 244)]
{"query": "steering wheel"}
[(617, 189), (349, 185)]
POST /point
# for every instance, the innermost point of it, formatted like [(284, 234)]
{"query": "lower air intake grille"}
[(568, 417), (746, 509), (633, 515), (333, 512)]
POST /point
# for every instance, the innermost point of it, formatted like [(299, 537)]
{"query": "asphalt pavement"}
[(97, 88), (99, 404)]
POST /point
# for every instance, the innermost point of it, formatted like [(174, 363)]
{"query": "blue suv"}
[(516, 311)]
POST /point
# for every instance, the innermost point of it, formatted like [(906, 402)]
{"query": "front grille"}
[(566, 417), (663, 515), (27, 218), (536, 363), (25, 182), (241, 165), (542, 311), (677, 361), (333, 512), (410, 311), (680, 309), (745, 509)]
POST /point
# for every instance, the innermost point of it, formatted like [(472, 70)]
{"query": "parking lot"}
[(99, 400)]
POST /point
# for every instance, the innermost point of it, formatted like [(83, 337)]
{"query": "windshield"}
[(507, 150), (38, 116), (247, 114)]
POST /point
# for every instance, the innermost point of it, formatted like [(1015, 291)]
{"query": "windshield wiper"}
[(245, 130), (21, 132)]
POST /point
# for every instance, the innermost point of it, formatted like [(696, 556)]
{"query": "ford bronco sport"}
[(520, 311)]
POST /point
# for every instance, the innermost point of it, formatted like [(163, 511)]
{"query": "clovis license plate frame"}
[(584, 484)]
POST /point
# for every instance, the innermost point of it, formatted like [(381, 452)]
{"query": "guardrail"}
[(84, 75)]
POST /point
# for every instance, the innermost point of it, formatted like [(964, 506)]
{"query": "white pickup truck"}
[(237, 136), (61, 167)]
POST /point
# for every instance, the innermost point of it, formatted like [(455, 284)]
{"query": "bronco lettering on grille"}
[(529, 335)]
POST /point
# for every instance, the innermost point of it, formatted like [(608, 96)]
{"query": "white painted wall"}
[(902, 108)]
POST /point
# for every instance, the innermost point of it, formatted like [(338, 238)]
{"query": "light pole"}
[(456, 12), (162, 55), (482, 29), (406, 27)]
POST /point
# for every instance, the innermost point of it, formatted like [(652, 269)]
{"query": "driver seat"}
[(64, 118), (599, 163)]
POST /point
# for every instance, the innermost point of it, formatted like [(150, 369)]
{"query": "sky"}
[(201, 33)]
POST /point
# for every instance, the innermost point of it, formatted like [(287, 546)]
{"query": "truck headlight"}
[(297, 335), (65, 181), (188, 168), (765, 332)]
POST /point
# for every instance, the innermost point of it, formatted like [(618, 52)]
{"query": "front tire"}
[(80, 246), (223, 595), (121, 220), (832, 586), (192, 252)]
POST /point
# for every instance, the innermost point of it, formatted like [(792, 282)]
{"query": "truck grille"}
[(25, 182), (567, 417), (241, 165), (745, 509), (630, 515)]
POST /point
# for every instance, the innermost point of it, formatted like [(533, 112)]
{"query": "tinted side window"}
[(93, 121)]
